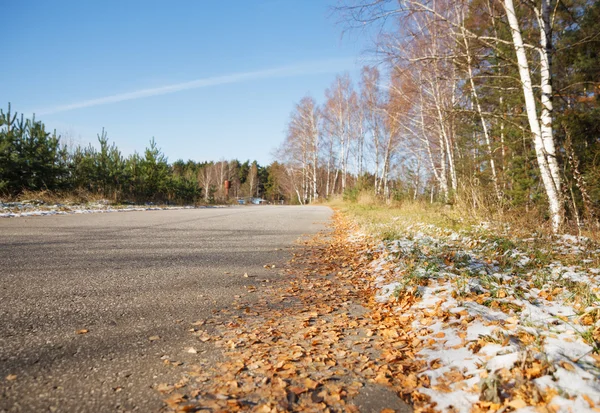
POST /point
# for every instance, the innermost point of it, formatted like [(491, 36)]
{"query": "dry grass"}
[(67, 197), (462, 214), (388, 220), (80, 197)]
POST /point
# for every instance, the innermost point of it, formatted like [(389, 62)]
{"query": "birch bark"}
[(545, 153)]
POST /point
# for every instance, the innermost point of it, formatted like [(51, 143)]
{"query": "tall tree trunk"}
[(314, 166), (342, 158), (440, 176), (486, 133), (550, 181), (328, 177), (546, 98), (445, 146)]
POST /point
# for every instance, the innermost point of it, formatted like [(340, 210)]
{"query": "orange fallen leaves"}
[(300, 347), (292, 357)]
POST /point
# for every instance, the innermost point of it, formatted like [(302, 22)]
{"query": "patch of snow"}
[(28, 210), (476, 337), (477, 329), (386, 291), (458, 401), (484, 312), (504, 361)]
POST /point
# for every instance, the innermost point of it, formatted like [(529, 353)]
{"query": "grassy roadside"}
[(507, 316), (451, 315), (68, 198), (387, 222), (377, 217)]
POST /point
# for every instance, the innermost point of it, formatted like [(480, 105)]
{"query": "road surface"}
[(135, 281)]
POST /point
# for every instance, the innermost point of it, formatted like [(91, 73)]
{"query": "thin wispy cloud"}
[(307, 68)]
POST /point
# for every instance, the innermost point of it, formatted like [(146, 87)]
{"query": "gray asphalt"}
[(125, 277)]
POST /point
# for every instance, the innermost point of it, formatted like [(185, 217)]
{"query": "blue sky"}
[(209, 79)]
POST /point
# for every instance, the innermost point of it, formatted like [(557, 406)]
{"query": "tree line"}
[(33, 159), (490, 103)]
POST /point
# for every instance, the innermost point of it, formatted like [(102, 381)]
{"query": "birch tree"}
[(338, 122), (301, 149), (541, 127), (372, 104), (443, 23)]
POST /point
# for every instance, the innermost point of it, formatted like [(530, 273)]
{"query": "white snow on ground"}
[(17, 209), (532, 323)]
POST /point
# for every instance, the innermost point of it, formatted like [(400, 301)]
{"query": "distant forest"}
[(492, 106), (33, 159)]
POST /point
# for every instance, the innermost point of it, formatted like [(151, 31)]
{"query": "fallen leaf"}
[(310, 384), (567, 366), (588, 400), (297, 390), (174, 400), (164, 388), (11, 377), (517, 404)]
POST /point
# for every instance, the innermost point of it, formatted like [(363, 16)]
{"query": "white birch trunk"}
[(546, 98), (555, 206), (440, 176), (328, 177), (315, 150)]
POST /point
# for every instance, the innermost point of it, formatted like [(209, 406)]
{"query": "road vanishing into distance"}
[(135, 281)]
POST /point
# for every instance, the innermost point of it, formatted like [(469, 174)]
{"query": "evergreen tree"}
[(154, 173), (30, 157)]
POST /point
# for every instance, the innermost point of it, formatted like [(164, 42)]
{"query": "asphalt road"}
[(126, 277)]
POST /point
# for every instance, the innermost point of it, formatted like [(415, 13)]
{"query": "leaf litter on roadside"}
[(310, 345), (451, 322)]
